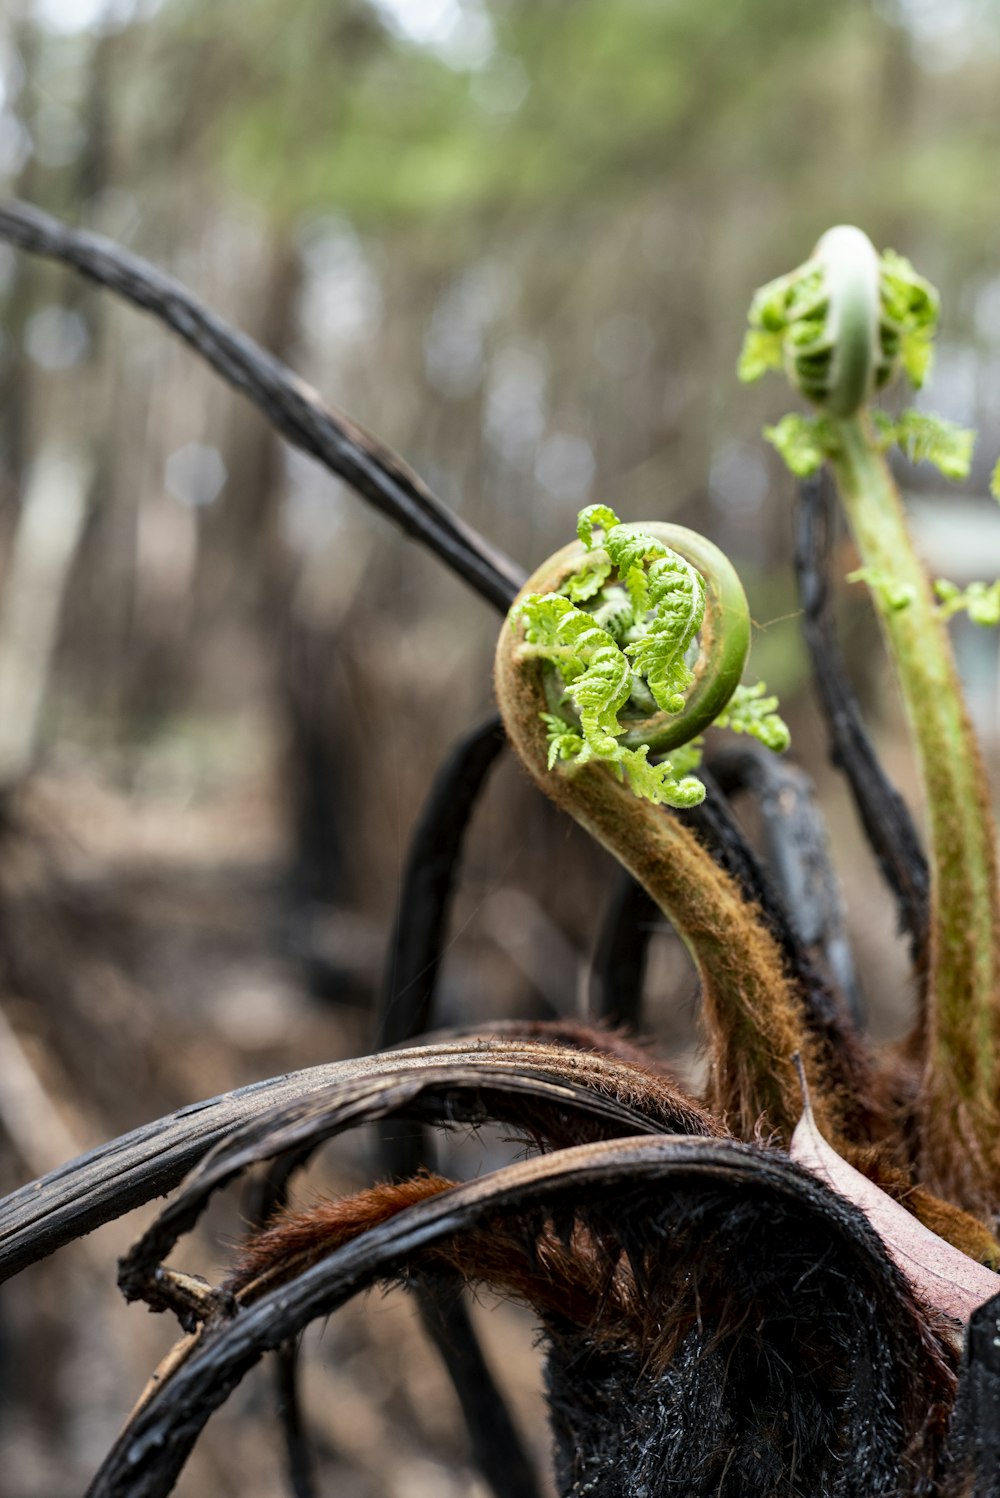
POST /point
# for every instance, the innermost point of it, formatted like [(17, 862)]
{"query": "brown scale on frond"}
[(709, 1324), (295, 1239), (581, 1279), (755, 1018), (639, 1080)]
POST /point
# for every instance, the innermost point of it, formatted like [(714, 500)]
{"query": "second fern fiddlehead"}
[(841, 326)]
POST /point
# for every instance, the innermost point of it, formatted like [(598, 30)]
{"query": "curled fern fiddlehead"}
[(843, 323), (630, 642), (647, 631)]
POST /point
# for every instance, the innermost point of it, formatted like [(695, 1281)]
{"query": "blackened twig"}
[(846, 1061), (618, 967), (270, 1196), (428, 883), (292, 408), (298, 1452), (415, 950), (497, 1448), (884, 816)]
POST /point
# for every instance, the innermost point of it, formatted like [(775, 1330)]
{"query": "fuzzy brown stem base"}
[(752, 1015)]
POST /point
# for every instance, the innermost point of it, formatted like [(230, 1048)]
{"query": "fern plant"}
[(785, 1285), (648, 657)]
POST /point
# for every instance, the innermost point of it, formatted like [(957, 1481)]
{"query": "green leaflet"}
[(995, 481), (597, 675), (631, 644), (912, 305), (893, 594), (594, 517), (666, 784), (761, 352), (802, 441), (565, 741), (753, 713), (925, 437), (583, 585), (662, 583), (981, 601)]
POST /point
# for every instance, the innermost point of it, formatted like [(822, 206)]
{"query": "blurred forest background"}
[(516, 239)]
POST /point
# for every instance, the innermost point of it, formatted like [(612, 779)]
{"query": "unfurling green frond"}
[(597, 675), (893, 594), (667, 598), (911, 307), (843, 323), (802, 441), (981, 601), (593, 518), (925, 437), (622, 633), (668, 783), (753, 713), (995, 481), (598, 680)]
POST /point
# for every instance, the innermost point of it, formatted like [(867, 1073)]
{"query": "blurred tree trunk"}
[(15, 365), (253, 571)]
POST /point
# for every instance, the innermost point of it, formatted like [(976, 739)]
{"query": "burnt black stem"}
[(408, 1004), (618, 967), (270, 1194), (428, 883), (884, 816), (291, 406), (497, 1448), (300, 1466)]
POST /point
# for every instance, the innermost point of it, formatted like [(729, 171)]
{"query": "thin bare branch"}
[(295, 410)]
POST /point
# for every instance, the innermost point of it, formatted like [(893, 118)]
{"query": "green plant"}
[(843, 325), (732, 1308), (643, 639)]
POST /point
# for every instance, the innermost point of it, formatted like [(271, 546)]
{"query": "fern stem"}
[(961, 1058), (753, 1014)]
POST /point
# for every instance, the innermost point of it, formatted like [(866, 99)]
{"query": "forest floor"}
[(150, 960)]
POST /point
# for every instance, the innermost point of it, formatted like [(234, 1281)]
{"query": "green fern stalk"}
[(963, 1029), (841, 326)]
